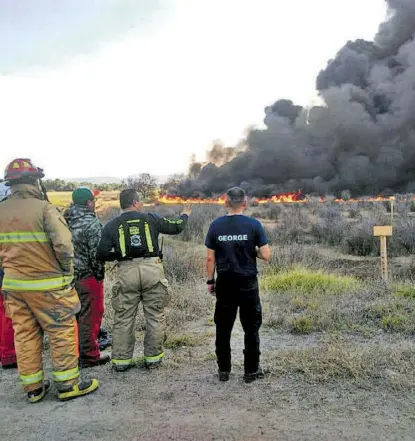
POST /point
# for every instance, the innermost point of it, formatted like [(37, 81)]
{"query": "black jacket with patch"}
[(134, 234)]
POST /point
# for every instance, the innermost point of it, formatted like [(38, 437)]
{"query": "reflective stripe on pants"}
[(122, 362), (53, 312), (155, 359), (30, 379), (139, 280), (70, 374)]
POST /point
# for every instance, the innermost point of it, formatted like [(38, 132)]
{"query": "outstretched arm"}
[(173, 226)]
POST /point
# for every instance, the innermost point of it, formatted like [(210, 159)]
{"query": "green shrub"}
[(298, 303), (178, 341), (407, 291), (403, 234), (302, 325), (304, 281), (360, 240), (393, 323)]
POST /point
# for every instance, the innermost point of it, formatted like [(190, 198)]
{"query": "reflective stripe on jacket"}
[(36, 251)]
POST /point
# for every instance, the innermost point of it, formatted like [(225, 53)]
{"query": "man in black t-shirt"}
[(234, 242)]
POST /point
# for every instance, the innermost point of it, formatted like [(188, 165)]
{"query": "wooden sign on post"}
[(383, 232)]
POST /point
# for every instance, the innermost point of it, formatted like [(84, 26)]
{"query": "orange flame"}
[(281, 198), (276, 199), (177, 200)]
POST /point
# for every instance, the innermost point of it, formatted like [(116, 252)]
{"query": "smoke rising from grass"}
[(362, 137)]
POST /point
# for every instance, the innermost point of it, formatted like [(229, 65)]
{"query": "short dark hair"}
[(23, 180), (127, 198), (236, 197)]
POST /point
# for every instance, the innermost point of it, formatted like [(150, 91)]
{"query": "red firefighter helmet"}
[(22, 168)]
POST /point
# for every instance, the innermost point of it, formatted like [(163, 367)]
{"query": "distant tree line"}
[(145, 183), (61, 185)]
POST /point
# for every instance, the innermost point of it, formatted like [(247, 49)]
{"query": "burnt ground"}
[(183, 400)]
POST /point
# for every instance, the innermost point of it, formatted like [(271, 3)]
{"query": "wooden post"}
[(392, 201), (383, 232)]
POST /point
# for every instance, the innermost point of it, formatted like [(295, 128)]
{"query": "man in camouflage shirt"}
[(89, 273)]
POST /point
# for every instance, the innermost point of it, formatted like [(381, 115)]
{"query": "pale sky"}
[(112, 90)]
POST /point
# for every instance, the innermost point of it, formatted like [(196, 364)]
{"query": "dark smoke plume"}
[(361, 139)]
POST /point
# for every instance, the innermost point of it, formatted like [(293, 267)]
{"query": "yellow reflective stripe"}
[(126, 362), (133, 221), (154, 359), (23, 236), (32, 378), (148, 238), (36, 285), (70, 374), (175, 222), (121, 240)]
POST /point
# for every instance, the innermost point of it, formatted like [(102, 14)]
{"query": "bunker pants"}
[(139, 280), (53, 312)]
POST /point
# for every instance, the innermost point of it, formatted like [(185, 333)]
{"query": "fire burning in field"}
[(281, 198), (176, 200)]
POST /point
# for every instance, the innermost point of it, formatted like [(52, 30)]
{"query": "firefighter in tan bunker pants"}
[(36, 254), (132, 240)]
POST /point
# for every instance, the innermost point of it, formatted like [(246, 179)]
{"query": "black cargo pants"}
[(234, 291)]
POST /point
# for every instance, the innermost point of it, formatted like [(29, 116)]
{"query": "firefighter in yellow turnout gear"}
[(36, 254), (132, 240)]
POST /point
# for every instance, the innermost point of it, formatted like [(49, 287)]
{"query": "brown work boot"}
[(85, 363)]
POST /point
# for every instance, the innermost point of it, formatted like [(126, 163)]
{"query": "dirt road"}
[(188, 403)]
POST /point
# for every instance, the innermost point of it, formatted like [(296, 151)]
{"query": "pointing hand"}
[(187, 209)]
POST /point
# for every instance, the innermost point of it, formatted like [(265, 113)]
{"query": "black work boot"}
[(85, 363), (9, 366), (104, 339), (250, 377), (38, 394), (152, 366), (223, 375), (122, 367)]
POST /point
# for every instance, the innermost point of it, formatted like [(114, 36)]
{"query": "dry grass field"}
[(323, 284), (63, 199), (337, 343)]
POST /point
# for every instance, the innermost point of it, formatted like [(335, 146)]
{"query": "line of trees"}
[(145, 183), (61, 185)]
